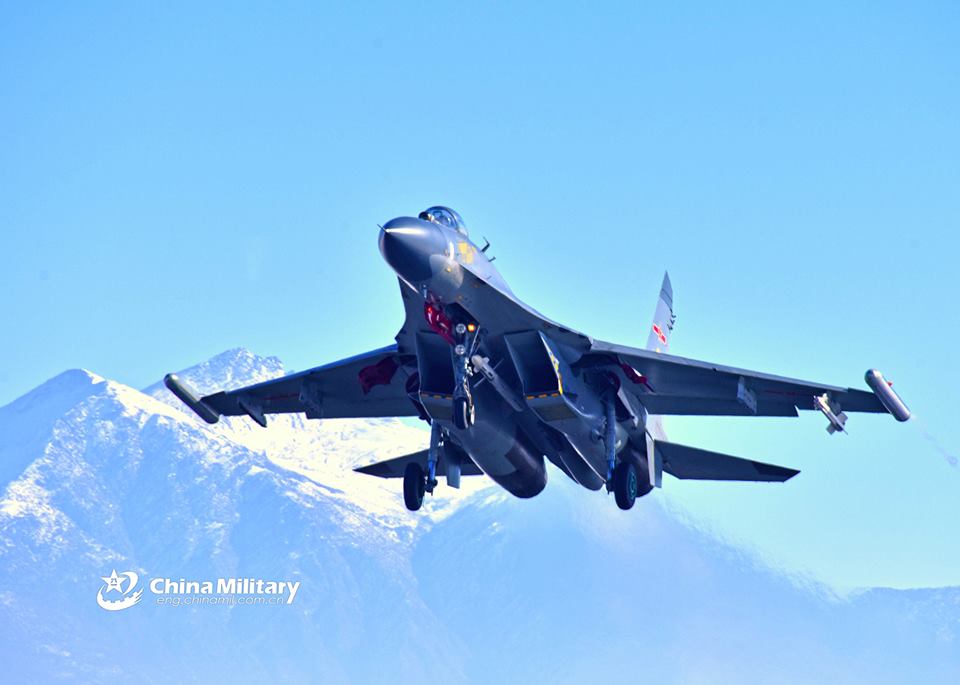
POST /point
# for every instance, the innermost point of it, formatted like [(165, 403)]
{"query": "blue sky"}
[(176, 181)]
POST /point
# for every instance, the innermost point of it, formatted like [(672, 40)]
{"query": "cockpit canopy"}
[(444, 216)]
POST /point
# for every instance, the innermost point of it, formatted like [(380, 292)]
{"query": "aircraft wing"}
[(368, 385), (393, 468), (666, 384), (675, 385), (691, 463)]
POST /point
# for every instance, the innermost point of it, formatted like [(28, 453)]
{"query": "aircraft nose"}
[(407, 245)]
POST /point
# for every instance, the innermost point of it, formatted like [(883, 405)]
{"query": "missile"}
[(888, 398), (482, 365), (186, 395), (832, 411)]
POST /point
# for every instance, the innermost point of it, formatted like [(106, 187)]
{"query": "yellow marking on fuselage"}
[(556, 369), (467, 251)]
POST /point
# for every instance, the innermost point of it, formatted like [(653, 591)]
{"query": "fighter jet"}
[(504, 388)]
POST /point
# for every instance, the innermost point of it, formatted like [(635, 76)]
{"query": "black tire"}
[(414, 486), (461, 413), (625, 485)]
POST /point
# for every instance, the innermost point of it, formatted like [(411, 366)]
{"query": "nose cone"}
[(407, 245)]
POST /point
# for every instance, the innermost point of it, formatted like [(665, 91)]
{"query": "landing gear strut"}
[(433, 455), (418, 481), (610, 439), (621, 478)]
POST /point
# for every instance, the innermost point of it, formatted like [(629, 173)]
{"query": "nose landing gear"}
[(465, 339), (464, 413)]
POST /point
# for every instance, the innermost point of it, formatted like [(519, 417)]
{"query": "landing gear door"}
[(541, 379), (435, 365), (654, 462)]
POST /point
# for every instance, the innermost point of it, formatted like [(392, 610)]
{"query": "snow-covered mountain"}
[(478, 587)]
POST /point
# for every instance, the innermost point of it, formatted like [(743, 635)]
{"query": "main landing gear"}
[(625, 484), (418, 481), (414, 486), (621, 478)]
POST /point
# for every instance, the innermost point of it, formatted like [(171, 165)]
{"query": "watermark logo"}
[(121, 587), (119, 591)]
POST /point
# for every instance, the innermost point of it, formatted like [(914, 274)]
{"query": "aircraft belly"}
[(562, 453), (508, 460), (499, 446), (487, 445)]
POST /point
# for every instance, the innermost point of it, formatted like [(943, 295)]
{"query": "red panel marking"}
[(635, 376), (439, 322), (380, 373)]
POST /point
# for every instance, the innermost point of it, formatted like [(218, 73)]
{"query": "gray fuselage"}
[(510, 436)]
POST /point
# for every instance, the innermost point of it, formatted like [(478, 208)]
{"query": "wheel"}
[(414, 486), (461, 413), (625, 485)]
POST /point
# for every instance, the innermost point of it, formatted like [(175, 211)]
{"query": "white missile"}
[(482, 365), (832, 411), (888, 398)]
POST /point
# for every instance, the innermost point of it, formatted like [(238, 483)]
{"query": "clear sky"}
[(178, 180)]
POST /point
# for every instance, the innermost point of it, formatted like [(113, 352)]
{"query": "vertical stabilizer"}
[(663, 319), (659, 341)]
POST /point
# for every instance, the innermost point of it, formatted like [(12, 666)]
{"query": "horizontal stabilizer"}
[(394, 468), (691, 463)]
